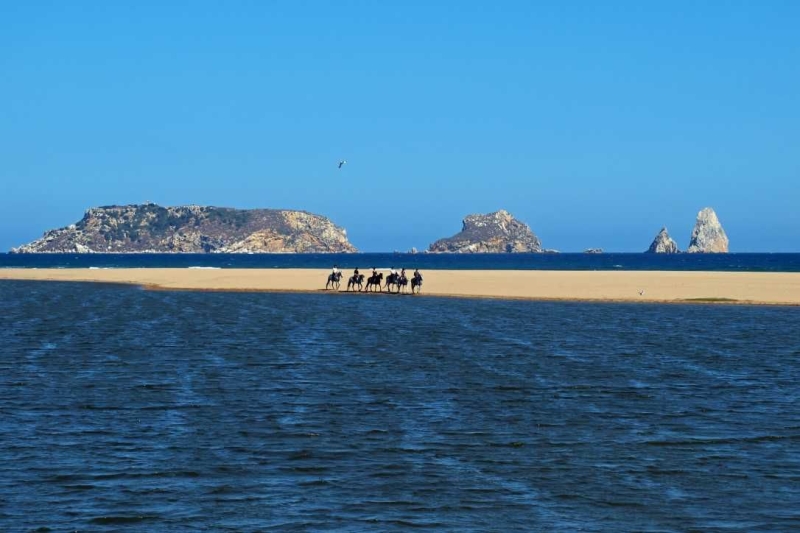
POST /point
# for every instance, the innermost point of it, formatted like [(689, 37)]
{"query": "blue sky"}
[(594, 122)]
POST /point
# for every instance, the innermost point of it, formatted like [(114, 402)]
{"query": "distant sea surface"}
[(640, 261), (123, 409)]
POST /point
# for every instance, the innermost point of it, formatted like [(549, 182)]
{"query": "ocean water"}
[(709, 262), (122, 409)]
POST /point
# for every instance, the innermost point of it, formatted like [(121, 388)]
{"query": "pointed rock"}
[(496, 232), (708, 235), (663, 244)]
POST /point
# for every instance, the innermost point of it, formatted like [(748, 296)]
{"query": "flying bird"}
[(342, 162)]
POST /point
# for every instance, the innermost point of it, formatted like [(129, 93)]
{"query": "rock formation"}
[(663, 244), (593, 251), (708, 235), (152, 228), (496, 232)]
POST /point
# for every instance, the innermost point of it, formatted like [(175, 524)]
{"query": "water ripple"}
[(127, 409)]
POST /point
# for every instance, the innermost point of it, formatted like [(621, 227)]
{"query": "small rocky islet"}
[(708, 236), (663, 244), (497, 232)]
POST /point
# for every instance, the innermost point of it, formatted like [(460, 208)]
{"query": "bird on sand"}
[(641, 292), (342, 162)]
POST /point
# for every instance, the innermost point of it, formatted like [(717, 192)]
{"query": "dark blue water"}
[(122, 409), (711, 262)]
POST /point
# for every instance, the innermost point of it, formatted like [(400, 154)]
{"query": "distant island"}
[(193, 229), (708, 236), (151, 228), (497, 232)]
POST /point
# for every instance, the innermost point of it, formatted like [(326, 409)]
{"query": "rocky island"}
[(497, 232), (708, 235), (193, 229), (663, 244)]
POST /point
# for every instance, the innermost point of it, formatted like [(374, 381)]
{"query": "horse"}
[(402, 283), (374, 281), (390, 280), (356, 280), (393, 279), (416, 283), (333, 281)]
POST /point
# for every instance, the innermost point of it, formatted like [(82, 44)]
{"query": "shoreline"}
[(687, 287)]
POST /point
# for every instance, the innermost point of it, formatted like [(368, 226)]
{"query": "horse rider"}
[(335, 269), (402, 274), (417, 275), (355, 274), (374, 273), (393, 272)]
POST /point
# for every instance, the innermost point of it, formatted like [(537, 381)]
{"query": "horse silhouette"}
[(374, 282), (416, 283), (402, 284), (356, 280), (333, 281), (396, 281)]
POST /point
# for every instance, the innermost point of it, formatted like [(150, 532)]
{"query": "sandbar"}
[(778, 288)]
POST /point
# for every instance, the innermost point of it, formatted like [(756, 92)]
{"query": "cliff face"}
[(152, 228), (708, 235), (663, 244), (497, 232)]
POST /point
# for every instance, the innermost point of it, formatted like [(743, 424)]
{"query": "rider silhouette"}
[(417, 275), (403, 274)]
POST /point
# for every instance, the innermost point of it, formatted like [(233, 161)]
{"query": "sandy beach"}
[(719, 287)]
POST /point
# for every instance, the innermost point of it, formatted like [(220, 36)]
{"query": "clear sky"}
[(594, 122)]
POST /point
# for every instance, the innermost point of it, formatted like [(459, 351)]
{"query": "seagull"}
[(641, 292), (342, 162)]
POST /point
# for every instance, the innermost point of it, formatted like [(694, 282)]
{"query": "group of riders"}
[(396, 280)]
